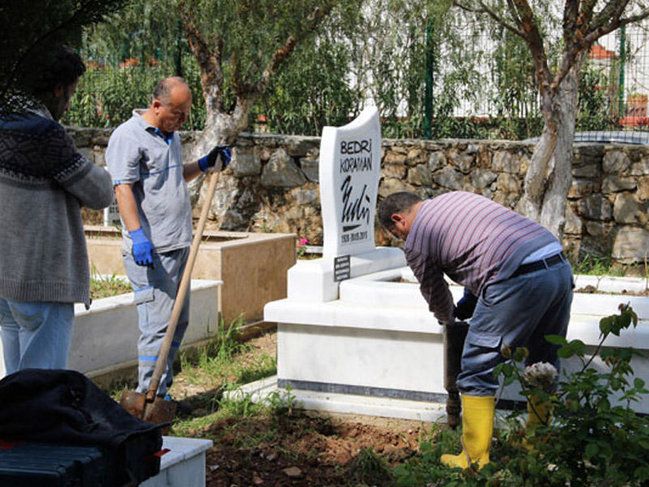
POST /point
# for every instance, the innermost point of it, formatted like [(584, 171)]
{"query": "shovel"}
[(148, 406), (454, 336)]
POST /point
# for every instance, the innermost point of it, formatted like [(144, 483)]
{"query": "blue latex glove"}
[(210, 159), (142, 248), (465, 306)]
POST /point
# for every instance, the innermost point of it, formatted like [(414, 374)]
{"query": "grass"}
[(367, 468), (593, 265), (106, 286), (223, 364)]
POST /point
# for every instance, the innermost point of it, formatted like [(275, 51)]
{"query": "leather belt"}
[(539, 264)]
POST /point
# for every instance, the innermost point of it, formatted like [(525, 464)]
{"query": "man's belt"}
[(539, 264)]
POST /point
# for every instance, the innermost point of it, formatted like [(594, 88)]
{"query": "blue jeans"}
[(518, 312), (155, 291), (35, 335)]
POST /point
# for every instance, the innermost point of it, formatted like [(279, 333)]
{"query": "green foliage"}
[(30, 27), (106, 286), (106, 96), (281, 402), (310, 92), (596, 265), (596, 95), (594, 438), (367, 468)]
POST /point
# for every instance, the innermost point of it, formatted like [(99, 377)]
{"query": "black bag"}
[(65, 407)]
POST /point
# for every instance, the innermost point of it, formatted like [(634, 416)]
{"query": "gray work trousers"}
[(155, 291)]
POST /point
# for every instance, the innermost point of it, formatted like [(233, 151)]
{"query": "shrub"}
[(593, 439)]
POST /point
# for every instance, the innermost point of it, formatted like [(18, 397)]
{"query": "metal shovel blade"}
[(157, 412), (160, 411), (134, 403)]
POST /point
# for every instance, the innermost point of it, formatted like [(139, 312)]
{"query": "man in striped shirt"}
[(517, 271)]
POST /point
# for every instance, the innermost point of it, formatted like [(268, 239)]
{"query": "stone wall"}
[(272, 185)]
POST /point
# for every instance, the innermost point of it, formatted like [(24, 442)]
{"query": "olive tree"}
[(579, 23)]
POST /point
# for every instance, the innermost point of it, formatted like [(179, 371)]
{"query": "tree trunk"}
[(555, 198), (549, 175), (220, 129)]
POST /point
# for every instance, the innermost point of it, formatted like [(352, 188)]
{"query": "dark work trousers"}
[(518, 312)]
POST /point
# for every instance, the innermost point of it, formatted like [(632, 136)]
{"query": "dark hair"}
[(56, 66), (162, 90), (395, 203)]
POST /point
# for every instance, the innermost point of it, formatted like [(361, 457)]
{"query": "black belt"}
[(539, 264)]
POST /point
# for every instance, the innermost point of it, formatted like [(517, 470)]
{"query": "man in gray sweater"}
[(44, 182)]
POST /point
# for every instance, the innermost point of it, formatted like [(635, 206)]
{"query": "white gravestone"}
[(350, 168)]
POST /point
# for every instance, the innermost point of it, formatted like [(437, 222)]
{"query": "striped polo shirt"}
[(473, 240)]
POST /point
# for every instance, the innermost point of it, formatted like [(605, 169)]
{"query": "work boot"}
[(477, 430), (538, 413)]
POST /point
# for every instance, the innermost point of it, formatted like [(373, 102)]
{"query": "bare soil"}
[(307, 450), (299, 448)]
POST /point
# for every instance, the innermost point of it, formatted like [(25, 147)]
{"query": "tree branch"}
[(282, 53), (534, 42), (615, 24), (507, 25), (209, 62), (611, 12)]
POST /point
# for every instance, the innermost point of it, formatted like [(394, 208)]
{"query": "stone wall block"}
[(420, 175), (393, 157), (99, 155), (436, 161), (640, 168), (387, 186), (582, 187), (245, 162), (416, 156), (299, 147), (595, 207), (463, 162), (394, 171), (631, 245), (311, 168), (504, 161), (585, 155), (481, 178), (591, 170), (615, 184), (508, 183), (264, 153), (615, 162), (573, 225), (449, 178), (281, 172), (627, 209), (643, 188), (306, 195), (82, 137)]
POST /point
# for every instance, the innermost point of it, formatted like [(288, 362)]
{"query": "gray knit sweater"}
[(44, 182)]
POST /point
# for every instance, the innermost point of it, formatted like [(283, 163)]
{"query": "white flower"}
[(540, 374)]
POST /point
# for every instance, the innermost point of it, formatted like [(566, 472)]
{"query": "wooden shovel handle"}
[(161, 362)]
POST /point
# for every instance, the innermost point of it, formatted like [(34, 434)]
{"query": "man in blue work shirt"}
[(144, 158)]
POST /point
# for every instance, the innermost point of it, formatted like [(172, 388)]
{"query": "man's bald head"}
[(163, 90), (172, 100)]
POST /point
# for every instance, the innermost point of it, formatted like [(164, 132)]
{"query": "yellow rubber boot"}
[(538, 413), (477, 430)]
